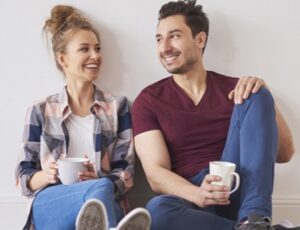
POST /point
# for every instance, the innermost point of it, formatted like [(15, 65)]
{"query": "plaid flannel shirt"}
[(46, 139)]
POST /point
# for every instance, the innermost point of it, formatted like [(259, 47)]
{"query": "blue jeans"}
[(251, 144), (56, 207)]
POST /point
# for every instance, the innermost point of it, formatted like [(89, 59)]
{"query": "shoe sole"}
[(92, 216), (137, 219)]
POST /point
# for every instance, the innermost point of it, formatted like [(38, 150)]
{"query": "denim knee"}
[(103, 186), (106, 182), (260, 102), (154, 205), (161, 208)]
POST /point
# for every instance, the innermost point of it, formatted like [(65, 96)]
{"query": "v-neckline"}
[(186, 97)]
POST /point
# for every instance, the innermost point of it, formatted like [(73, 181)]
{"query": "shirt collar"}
[(65, 108)]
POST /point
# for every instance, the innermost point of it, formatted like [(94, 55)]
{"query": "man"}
[(183, 122)]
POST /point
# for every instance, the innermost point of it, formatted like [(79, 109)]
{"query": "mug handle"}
[(237, 181)]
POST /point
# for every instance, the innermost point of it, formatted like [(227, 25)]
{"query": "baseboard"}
[(286, 208), (286, 201), (14, 208)]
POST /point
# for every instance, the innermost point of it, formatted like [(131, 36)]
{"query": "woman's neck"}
[(80, 97)]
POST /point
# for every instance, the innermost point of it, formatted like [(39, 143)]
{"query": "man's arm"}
[(153, 153), (286, 145), (242, 90)]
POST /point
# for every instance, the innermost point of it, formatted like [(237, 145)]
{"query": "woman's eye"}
[(98, 49), (84, 49)]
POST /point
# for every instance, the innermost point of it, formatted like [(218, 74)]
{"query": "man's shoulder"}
[(152, 93), (157, 88), (222, 81), (222, 77)]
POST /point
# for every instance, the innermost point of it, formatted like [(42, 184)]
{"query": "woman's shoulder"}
[(36, 111), (109, 100), (53, 98), (106, 96)]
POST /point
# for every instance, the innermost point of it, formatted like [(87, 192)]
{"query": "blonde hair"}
[(64, 21)]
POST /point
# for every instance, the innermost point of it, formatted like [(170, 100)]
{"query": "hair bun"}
[(60, 15), (61, 12)]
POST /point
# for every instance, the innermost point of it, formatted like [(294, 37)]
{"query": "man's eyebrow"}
[(157, 35), (174, 31), (169, 32)]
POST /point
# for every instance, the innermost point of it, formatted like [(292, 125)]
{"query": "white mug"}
[(68, 169), (226, 170)]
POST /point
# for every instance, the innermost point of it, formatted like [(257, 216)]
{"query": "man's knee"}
[(161, 203), (158, 208), (260, 101)]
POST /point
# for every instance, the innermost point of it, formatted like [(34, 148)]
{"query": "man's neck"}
[(193, 83)]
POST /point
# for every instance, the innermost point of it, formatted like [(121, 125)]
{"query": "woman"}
[(80, 121)]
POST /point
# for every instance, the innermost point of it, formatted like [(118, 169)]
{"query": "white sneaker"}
[(137, 219), (92, 216), (286, 223)]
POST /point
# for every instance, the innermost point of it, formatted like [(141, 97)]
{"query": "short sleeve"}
[(144, 116)]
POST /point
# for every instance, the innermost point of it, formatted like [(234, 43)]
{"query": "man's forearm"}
[(164, 181)]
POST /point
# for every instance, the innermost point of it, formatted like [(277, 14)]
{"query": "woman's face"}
[(82, 59)]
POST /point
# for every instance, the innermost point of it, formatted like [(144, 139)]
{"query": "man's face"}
[(177, 49)]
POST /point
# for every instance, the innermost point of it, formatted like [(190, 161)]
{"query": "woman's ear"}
[(60, 57)]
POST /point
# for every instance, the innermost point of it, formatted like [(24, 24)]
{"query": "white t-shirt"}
[(81, 136)]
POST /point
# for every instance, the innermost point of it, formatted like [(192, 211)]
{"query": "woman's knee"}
[(102, 187), (104, 184)]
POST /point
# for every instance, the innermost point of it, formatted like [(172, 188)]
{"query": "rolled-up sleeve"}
[(122, 162), (29, 157)]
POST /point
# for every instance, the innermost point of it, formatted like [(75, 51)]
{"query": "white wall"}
[(251, 37)]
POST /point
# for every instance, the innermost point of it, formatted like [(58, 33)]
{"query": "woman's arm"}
[(28, 169), (122, 157)]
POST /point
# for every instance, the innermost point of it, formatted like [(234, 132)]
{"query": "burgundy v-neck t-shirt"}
[(194, 134)]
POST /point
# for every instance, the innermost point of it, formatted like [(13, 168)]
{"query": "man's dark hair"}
[(194, 16)]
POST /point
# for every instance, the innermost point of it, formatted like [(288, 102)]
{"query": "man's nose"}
[(165, 46)]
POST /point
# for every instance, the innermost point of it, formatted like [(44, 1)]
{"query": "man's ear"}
[(200, 39), (60, 57)]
